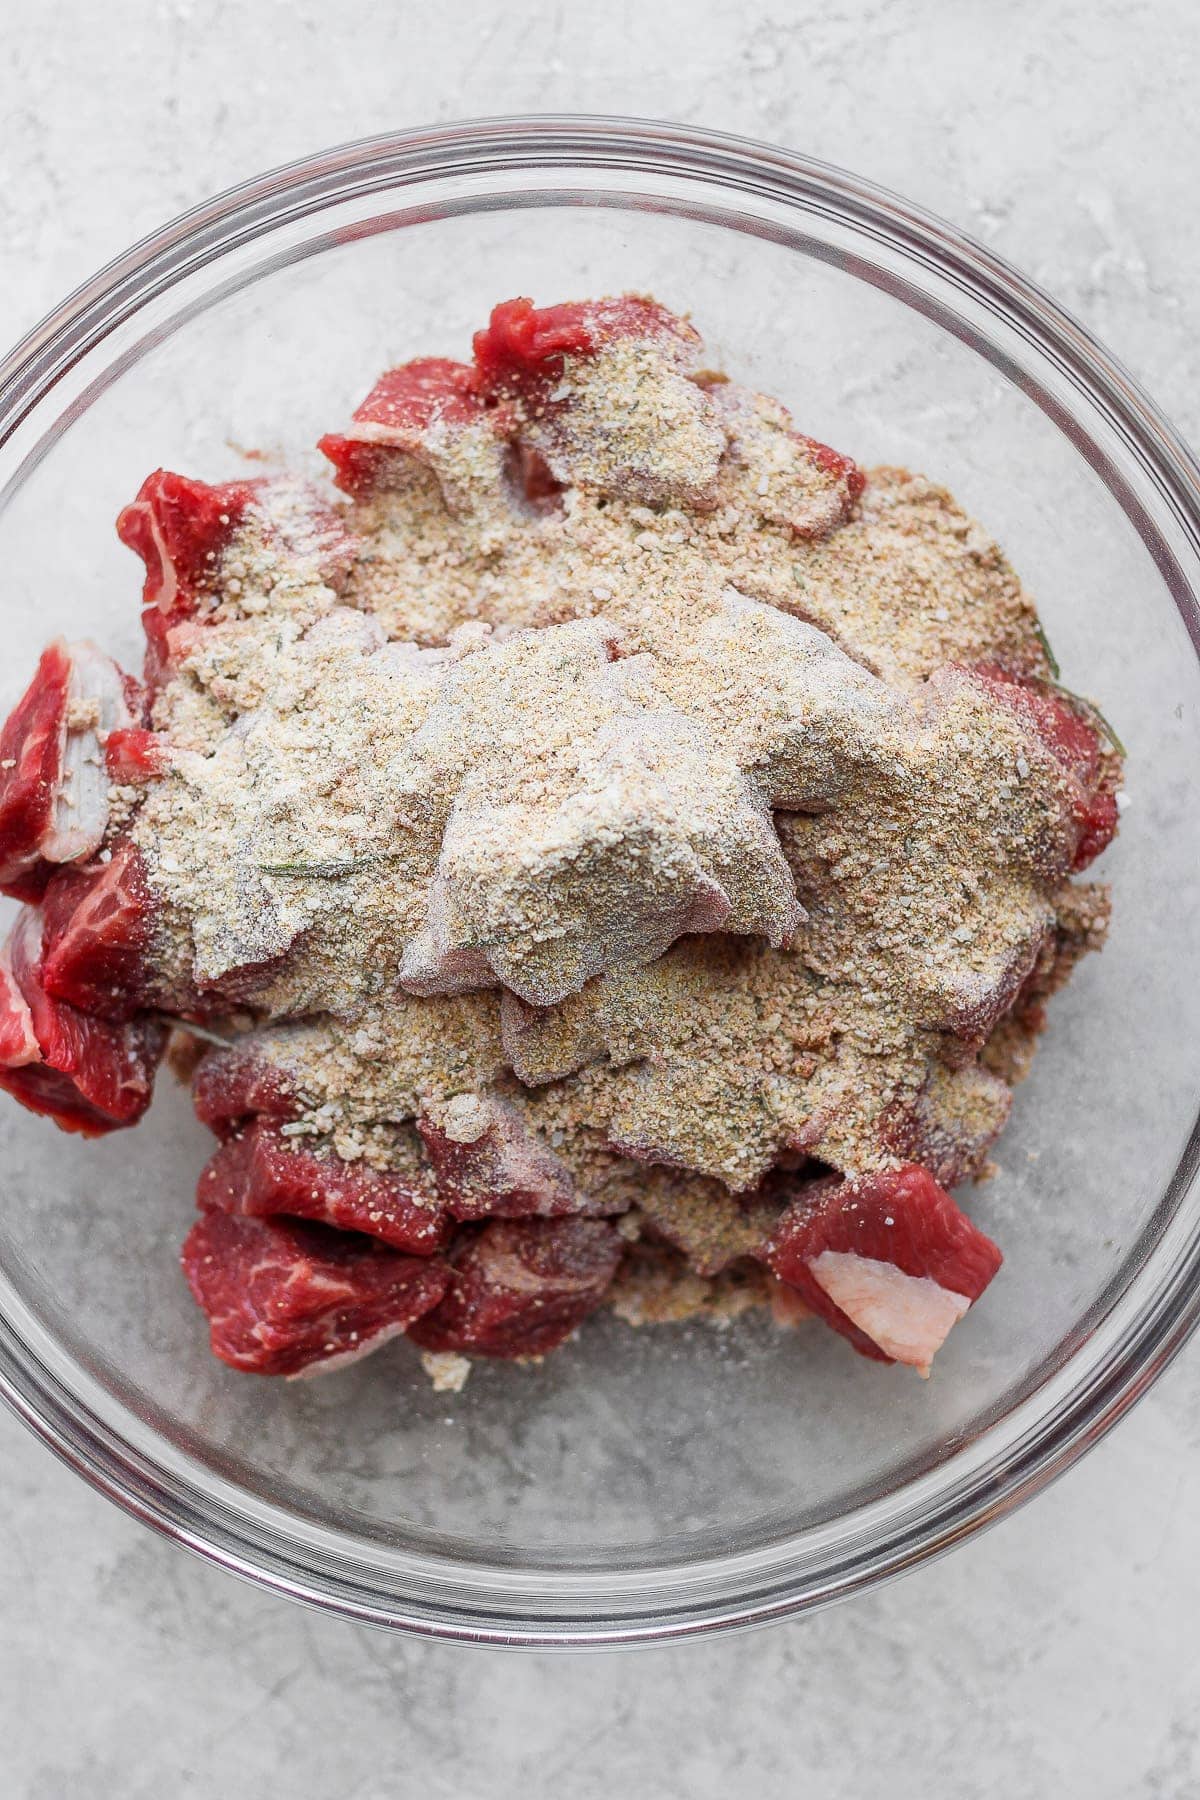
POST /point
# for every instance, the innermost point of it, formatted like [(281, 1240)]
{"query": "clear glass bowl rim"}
[(1118, 1352)]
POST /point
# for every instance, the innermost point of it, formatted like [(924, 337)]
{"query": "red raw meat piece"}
[(179, 551), (134, 756), (952, 1124), (99, 947), (99, 925), (414, 396), (813, 492), (53, 790), (667, 446), (398, 413), (18, 1040), (282, 1296), (30, 769), (232, 1085), (887, 1259), (358, 463), (533, 476), (831, 462), (520, 1286), (972, 1005), (523, 343), (179, 527), (88, 1074), (502, 1172), (259, 1173), (1065, 729)]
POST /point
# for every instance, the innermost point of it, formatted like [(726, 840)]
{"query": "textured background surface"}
[(1060, 1655)]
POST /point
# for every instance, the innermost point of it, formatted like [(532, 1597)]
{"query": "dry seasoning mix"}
[(622, 782)]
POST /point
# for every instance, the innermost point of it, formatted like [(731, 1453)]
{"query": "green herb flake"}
[(1047, 652), (327, 871), (1094, 714), (1091, 707)]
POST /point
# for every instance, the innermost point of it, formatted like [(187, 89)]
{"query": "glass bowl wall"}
[(670, 1480)]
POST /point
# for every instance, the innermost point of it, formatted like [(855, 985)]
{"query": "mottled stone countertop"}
[(1056, 1656)]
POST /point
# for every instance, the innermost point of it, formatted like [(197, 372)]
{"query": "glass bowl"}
[(646, 1484)]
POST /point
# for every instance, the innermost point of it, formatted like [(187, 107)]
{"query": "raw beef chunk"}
[(887, 1259), (282, 1297), (520, 1286)]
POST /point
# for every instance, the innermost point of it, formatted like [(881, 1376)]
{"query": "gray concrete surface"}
[(1058, 1656)]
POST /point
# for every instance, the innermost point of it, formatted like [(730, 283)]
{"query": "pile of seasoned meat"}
[(614, 850)]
